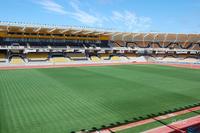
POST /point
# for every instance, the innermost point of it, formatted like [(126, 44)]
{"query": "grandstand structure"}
[(22, 44)]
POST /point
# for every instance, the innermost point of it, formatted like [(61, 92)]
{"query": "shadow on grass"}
[(140, 118), (166, 124)]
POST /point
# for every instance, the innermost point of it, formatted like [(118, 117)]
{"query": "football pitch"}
[(62, 100)]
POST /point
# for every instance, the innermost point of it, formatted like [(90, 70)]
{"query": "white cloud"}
[(52, 6), (76, 13), (83, 16), (131, 20), (125, 20)]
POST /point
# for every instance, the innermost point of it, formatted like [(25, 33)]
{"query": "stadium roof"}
[(114, 35)]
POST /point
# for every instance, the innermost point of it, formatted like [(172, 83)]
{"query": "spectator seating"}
[(77, 56), (95, 58), (2, 57), (59, 59), (16, 60), (37, 56), (104, 56), (115, 58)]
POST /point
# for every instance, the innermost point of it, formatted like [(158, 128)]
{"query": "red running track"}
[(191, 66)]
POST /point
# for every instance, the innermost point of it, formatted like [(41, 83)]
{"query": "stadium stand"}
[(2, 57), (95, 58), (190, 60), (104, 56), (123, 58), (77, 56), (115, 58), (37, 56), (94, 45), (59, 60), (16, 60), (169, 59)]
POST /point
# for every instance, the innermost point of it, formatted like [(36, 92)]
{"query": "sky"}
[(172, 16)]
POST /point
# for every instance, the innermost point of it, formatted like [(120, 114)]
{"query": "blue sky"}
[(174, 16)]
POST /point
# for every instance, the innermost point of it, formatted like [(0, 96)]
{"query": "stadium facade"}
[(22, 43)]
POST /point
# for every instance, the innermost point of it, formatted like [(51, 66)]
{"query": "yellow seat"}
[(17, 60), (105, 56), (115, 58), (95, 58), (2, 57), (37, 56), (59, 60), (75, 56)]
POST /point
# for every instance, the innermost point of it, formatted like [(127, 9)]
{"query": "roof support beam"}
[(66, 30), (188, 38), (99, 33), (165, 39), (144, 38), (176, 38), (23, 29), (7, 28), (135, 35), (38, 29), (125, 35), (116, 34), (107, 34), (194, 44), (76, 32), (154, 37), (52, 30), (88, 32)]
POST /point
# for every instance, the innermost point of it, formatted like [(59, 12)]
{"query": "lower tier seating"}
[(16, 60), (169, 59), (123, 58), (105, 56), (59, 59), (190, 60), (77, 56), (115, 58), (95, 58), (2, 57)]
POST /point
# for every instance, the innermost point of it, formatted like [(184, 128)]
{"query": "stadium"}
[(100, 79), (57, 78)]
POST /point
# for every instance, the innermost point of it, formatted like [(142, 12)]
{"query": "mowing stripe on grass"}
[(70, 99)]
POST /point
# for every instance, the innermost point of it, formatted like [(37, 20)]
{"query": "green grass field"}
[(61, 100)]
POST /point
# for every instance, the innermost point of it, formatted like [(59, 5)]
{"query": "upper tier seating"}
[(75, 45), (58, 45), (102, 45), (37, 56), (38, 45), (16, 60)]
